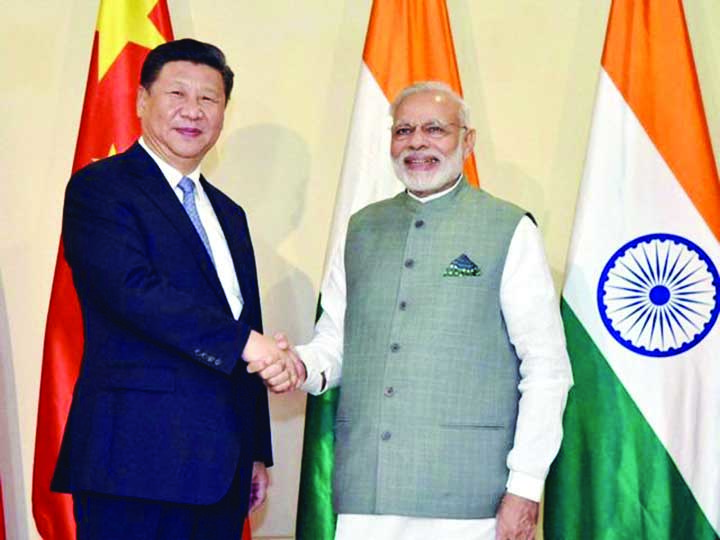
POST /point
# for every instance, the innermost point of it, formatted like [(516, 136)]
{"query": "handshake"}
[(274, 360)]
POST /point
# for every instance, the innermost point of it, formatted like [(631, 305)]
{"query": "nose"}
[(191, 109), (417, 139)]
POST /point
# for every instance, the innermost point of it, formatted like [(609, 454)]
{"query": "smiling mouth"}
[(188, 131), (420, 161)]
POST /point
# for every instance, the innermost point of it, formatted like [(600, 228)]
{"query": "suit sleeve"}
[(106, 246)]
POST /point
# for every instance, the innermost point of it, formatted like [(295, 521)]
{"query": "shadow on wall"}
[(265, 168), (10, 457)]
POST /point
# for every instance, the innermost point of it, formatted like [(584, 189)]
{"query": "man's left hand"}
[(516, 518), (258, 485)]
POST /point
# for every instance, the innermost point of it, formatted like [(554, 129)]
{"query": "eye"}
[(176, 93), (434, 129), (403, 131), (209, 99)]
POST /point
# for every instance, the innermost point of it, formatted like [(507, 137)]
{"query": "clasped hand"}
[(274, 360)]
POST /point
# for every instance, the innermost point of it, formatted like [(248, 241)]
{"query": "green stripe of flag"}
[(316, 520), (315, 517), (612, 474)]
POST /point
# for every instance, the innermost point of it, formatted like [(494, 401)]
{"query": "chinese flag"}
[(126, 31)]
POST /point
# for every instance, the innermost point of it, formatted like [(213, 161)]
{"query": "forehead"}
[(189, 73), (429, 105)]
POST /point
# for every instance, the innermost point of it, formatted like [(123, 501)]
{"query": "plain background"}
[(528, 68)]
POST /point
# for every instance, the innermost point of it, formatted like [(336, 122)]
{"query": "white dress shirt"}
[(531, 312), (222, 258)]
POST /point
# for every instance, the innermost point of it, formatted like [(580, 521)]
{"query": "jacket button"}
[(389, 391), (419, 223), (218, 362), (402, 305), (385, 435), (395, 347), (409, 263)]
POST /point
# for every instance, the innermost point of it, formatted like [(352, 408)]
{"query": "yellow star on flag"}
[(121, 22), (111, 153)]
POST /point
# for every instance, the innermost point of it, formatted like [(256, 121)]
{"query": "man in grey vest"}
[(443, 319)]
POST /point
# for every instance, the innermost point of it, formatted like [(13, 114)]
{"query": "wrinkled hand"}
[(516, 518), (276, 366), (258, 485)]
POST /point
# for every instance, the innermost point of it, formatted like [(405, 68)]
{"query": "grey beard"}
[(450, 168)]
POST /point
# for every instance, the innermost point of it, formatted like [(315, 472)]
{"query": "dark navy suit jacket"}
[(163, 408)]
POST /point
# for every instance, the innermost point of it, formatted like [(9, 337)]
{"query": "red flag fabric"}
[(125, 33)]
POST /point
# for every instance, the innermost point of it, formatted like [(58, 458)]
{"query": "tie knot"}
[(186, 185)]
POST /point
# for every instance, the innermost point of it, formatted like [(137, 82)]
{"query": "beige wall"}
[(528, 68)]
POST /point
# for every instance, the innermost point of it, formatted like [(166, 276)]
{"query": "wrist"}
[(525, 486), (301, 368)]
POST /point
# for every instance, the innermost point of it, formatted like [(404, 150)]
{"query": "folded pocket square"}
[(462, 266)]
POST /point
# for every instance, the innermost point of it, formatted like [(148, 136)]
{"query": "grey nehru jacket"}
[(429, 394)]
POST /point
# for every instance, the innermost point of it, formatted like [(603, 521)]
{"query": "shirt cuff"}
[(524, 485), (314, 382)]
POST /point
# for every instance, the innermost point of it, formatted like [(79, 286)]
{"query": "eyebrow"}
[(423, 121)]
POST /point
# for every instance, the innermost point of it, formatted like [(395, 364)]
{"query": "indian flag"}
[(641, 453), (407, 41)]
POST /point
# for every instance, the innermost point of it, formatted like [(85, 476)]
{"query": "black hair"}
[(187, 50)]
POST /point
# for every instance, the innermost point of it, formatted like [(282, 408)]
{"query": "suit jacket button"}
[(218, 362), (419, 223), (409, 263), (389, 391), (385, 435), (395, 347)]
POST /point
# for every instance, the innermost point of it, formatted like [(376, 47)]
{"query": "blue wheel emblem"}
[(658, 295)]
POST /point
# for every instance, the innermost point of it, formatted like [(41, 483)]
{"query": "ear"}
[(141, 101), (468, 143)]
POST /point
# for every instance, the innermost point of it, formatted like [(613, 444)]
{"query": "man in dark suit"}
[(168, 435)]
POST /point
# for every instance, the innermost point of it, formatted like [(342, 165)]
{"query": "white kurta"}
[(530, 309)]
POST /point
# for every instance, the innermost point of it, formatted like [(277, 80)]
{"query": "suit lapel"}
[(150, 179)]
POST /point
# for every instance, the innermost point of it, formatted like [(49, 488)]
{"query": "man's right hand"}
[(275, 365)]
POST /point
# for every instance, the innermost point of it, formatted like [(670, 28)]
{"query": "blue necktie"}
[(187, 186)]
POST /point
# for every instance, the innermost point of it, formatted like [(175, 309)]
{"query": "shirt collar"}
[(171, 174), (437, 195)]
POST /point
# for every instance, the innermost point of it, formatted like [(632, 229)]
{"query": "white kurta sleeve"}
[(323, 355), (531, 311)]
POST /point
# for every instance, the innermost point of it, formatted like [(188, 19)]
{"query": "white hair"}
[(433, 86)]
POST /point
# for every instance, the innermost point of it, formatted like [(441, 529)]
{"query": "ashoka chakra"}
[(658, 295)]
